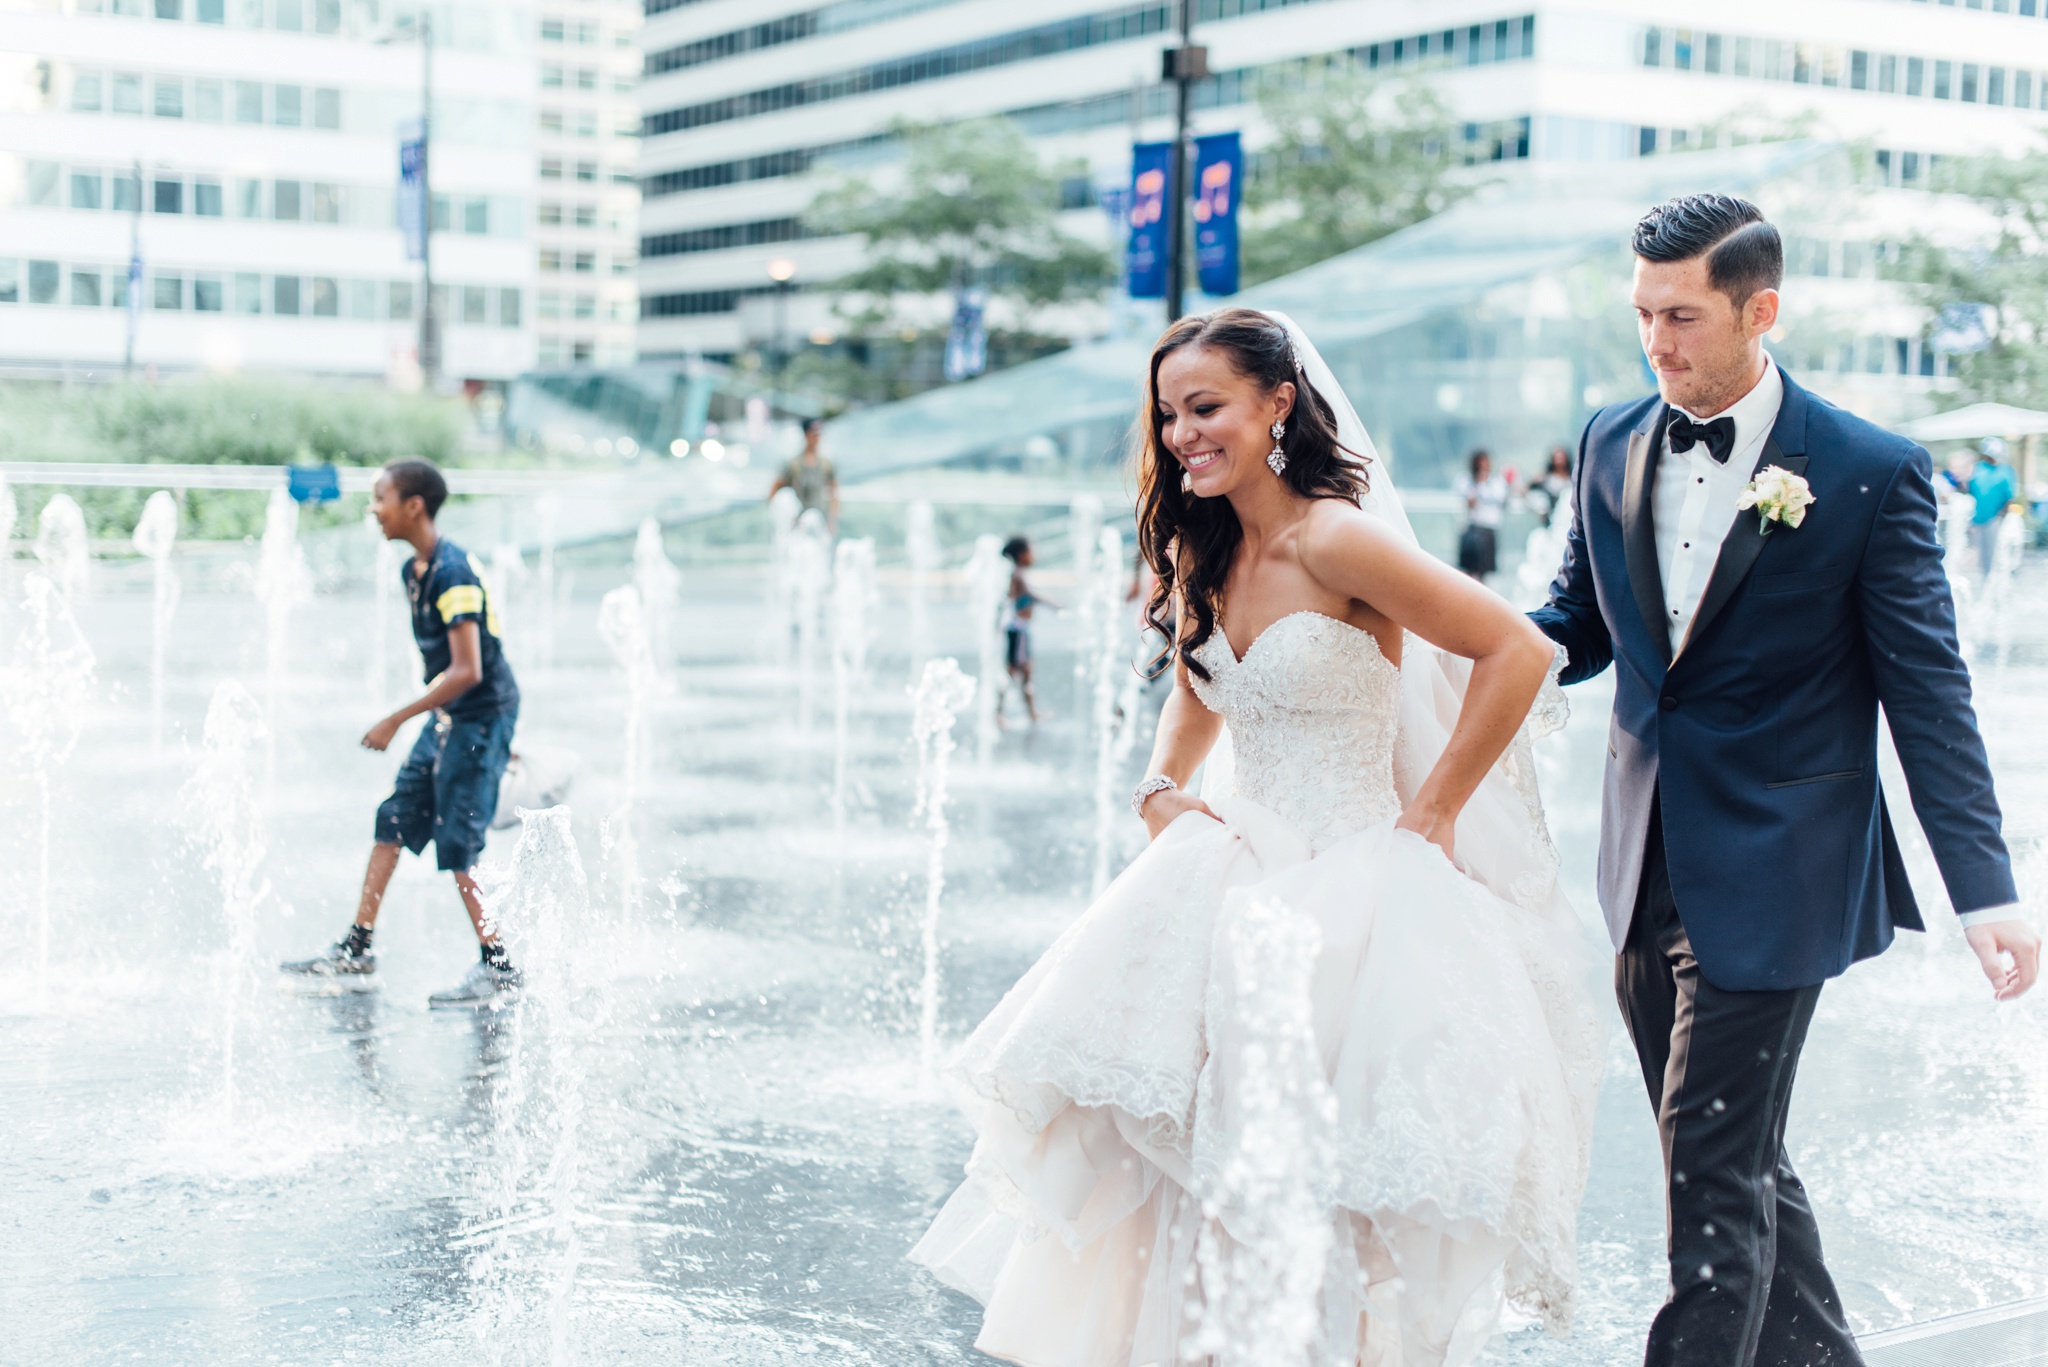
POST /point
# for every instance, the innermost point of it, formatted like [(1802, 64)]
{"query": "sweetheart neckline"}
[(1238, 660)]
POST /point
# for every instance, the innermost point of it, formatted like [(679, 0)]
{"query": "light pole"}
[(1184, 66), (430, 326), (134, 275), (782, 271)]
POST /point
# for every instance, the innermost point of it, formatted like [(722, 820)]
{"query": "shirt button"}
[(1669, 703), (1688, 545)]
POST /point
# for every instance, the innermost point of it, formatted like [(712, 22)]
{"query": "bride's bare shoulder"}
[(1336, 529)]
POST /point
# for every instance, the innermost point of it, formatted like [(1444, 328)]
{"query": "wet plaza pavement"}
[(754, 1149)]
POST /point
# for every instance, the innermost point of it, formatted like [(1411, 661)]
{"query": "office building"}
[(746, 102), (249, 150)]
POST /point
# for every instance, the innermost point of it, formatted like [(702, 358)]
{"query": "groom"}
[(1761, 569)]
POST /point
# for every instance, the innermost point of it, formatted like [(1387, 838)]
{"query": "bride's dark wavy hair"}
[(1190, 542)]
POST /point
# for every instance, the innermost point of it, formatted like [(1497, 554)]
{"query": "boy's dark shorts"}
[(447, 790)]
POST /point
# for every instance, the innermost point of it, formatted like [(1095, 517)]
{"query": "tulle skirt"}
[(1258, 1097)]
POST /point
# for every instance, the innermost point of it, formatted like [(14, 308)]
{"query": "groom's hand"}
[(1998, 939)]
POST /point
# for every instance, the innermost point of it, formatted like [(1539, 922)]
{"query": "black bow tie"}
[(1717, 433)]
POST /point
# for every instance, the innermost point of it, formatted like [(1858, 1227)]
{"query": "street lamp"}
[(782, 271), (430, 329)]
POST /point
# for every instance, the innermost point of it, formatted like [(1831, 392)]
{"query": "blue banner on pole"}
[(1145, 261), (1219, 172), (313, 483), (412, 206)]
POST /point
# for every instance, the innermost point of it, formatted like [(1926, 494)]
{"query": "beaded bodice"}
[(1313, 710)]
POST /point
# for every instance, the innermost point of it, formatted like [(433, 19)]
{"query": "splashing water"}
[(810, 568), (937, 701), (661, 590), (222, 809), (853, 594), (1115, 698), (507, 589), (46, 695), (988, 586), (622, 622), (62, 547), (155, 535), (1084, 527), (523, 1274), (282, 583), (548, 510), (921, 548), (1266, 1238), (9, 515)]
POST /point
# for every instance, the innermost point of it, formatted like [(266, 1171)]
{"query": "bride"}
[(1312, 1081)]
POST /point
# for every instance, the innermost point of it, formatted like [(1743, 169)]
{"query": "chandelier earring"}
[(1187, 482), (1276, 459)]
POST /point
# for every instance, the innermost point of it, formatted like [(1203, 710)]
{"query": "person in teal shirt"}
[(1994, 486)]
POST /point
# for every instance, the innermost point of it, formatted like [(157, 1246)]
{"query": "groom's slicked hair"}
[(1743, 250)]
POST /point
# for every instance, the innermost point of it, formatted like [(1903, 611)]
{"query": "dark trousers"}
[(1748, 1288)]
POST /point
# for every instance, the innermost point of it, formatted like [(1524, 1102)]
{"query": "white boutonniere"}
[(1778, 495)]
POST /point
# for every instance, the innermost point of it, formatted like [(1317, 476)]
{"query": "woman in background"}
[(1486, 499)]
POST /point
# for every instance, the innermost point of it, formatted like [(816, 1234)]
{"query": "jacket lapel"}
[(1639, 533), (1745, 539)]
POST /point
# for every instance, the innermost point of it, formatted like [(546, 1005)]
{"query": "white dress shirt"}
[(1693, 502), (1692, 508)]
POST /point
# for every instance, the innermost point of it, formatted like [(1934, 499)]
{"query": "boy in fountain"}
[(447, 790)]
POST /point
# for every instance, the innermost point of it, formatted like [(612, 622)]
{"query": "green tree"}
[(2002, 272), (974, 207), (1352, 159)]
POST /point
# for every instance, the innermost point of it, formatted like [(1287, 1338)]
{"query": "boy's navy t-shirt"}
[(453, 592)]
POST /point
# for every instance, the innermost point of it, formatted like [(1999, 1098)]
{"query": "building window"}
[(168, 197), (326, 297), (40, 184), (85, 189), (327, 109), (549, 214), (551, 76), (1888, 73), (475, 303), (127, 193), (550, 168), (586, 215), (170, 97), (586, 33), (582, 351), (167, 292), (284, 295), (550, 120), (206, 294), (127, 95), (248, 292), (1994, 85), (284, 202), (550, 260), (586, 78), (1653, 47), (362, 299), (2023, 89), (327, 16), (285, 105), (586, 171), (248, 102), (209, 101), (586, 123), (550, 305), (401, 299), (1711, 53), (42, 282), (551, 30), (1967, 86), (85, 92), (586, 263), (1916, 76), (586, 306), (1859, 71), (248, 199), (508, 308), (291, 16), (10, 280), (170, 9), (326, 205), (1944, 75), (210, 12), (206, 198), (85, 288), (476, 215)]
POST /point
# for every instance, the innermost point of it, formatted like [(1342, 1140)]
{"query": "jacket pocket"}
[(1799, 581), (1835, 777)]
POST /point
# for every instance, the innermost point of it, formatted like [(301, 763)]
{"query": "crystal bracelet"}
[(1158, 783)]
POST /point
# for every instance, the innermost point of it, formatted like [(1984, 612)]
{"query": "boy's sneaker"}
[(338, 962), (481, 986)]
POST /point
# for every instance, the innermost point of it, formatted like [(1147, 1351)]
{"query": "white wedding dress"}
[(1140, 1145)]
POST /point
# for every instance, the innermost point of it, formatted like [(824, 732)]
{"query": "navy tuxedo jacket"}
[(1760, 738)]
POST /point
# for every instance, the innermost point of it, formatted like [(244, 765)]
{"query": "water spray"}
[(938, 698), (155, 535)]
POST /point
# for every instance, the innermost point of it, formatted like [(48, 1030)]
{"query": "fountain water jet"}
[(622, 622), (938, 698), (548, 510), (155, 535), (1084, 527), (988, 587), (63, 549), (1116, 695), (46, 696), (508, 581), (853, 594), (810, 569), (383, 604), (535, 1174), (282, 583), (661, 588), (921, 548), (784, 509), (221, 802), (1261, 1281)]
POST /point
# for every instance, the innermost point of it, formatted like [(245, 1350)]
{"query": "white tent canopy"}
[(1976, 422)]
